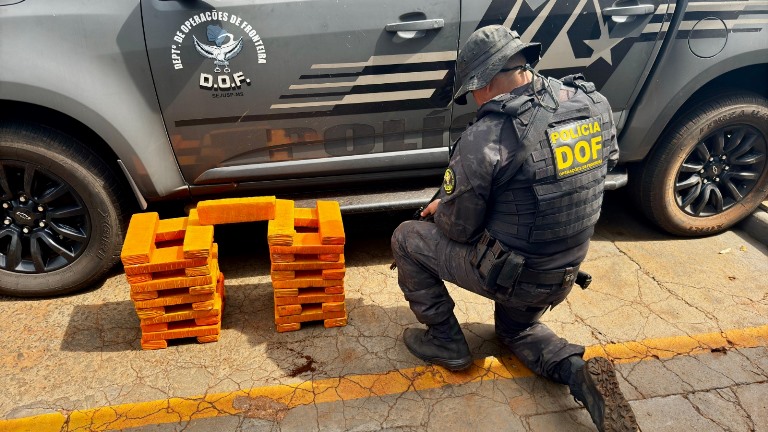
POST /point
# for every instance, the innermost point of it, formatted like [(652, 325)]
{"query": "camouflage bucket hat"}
[(485, 53)]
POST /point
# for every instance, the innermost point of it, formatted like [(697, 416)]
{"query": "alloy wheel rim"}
[(721, 170), (44, 223)]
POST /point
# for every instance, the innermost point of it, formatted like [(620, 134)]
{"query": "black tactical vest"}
[(552, 202)]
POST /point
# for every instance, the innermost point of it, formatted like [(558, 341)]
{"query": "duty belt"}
[(564, 277)]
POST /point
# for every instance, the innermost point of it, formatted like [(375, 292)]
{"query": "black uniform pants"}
[(425, 258)]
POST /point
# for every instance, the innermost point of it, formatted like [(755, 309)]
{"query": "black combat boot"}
[(442, 344), (595, 385)]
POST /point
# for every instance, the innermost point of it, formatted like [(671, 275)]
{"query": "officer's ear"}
[(482, 95)]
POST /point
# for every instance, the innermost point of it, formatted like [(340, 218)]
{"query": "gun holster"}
[(498, 267)]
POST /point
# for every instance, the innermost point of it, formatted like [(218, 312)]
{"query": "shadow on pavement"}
[(106, 327), (370, 344), (621, 220)]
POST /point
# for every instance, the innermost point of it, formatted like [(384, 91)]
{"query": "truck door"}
[(612, 42), (254, 90)]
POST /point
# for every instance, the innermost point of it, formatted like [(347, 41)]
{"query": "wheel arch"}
[(99, 134), (654, 183), (24, 112), (653, 116)]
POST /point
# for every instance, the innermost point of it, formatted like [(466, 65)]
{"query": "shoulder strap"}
[(577, 80), (539, 122)]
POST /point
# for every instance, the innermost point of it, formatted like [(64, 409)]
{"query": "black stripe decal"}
[(705, 34), (496, 13), (723, 15), (373, 88), (386, 69), (351, 109)]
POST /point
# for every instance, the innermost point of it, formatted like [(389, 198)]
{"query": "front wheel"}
[(61, 223), (710, 170)]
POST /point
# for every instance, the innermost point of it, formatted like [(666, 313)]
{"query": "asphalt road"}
[(685, 320)]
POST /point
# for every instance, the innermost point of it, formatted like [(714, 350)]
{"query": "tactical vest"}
[(552, 202)]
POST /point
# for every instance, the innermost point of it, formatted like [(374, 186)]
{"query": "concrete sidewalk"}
[(756, 225), (686, 320)]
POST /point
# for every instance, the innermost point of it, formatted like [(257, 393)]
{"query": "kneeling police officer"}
[(513, 219)]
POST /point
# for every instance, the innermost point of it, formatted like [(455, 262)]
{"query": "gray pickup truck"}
[(110, 106)]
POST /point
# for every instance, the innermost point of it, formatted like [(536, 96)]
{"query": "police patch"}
[(449, 181), (577, 147)]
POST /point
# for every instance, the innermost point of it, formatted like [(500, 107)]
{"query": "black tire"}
[(710, 170), (62, 222)]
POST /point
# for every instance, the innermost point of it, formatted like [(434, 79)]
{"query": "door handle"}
[(642, 9), (430, 24), (415, 29)]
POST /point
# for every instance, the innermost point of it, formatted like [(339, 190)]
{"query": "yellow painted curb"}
[(275, 401)]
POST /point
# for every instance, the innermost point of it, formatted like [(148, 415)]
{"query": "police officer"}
[(513, 219)]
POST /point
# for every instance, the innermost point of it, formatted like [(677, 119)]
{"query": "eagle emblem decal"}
[(224, 50)]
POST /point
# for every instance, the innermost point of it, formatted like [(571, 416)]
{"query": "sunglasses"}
[(523, 67)]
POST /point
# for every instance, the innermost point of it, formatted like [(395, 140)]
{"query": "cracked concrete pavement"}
[(685, 320)]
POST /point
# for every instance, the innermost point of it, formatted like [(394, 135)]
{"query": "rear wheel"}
[(711, 169), (61, 219)]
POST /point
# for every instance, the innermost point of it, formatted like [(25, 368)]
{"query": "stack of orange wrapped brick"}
[(306, 248), (173, 270), (177, 288)]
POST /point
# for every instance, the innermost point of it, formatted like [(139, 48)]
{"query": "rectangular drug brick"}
[(282, 258), (330, 257), (280, 230), (213, 317), (330, 226), (171, 229), (308, 262), (333, 307), (174, 297), (287, 292), (316, 281), (334, 273), (177, 312), (309, 313), (327, 274), (334, 289), (286, 310), (153, 345), (171, 280), (182, 329), (216, 277), (308, 244), (204, 269), (198, 242), (309, 295), (335, 322), (140, 239), (305, 217), (236, 210), (282, 275), (138, 278), (166, 259), (281, 328), (193, 219)]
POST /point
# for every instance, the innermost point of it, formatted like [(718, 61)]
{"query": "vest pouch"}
[(510, 271), (498, 268), (489, 266)]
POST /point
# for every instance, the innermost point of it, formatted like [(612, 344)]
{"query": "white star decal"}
[(561, 53), (601, 47)]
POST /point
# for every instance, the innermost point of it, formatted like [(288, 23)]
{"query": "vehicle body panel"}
[(298, 123), (333, 94), (87, 59), (577, 37), (738, 28)]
